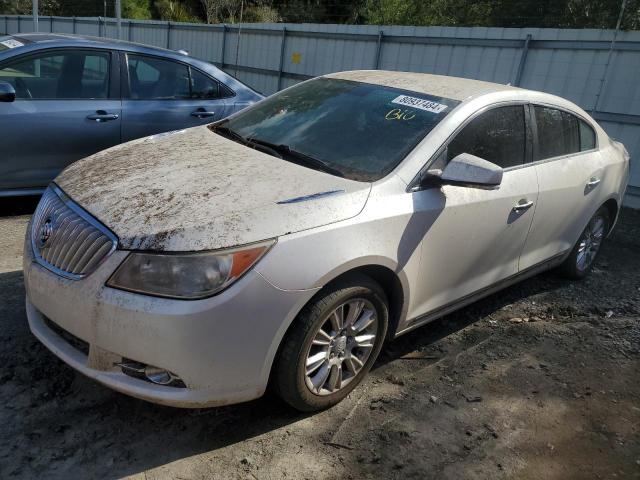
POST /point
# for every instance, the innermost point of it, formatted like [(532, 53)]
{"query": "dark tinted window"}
[(157, 79), (587, 137), (360, 129), (60, 75), (497, 136), (204, 87), (557, 132)]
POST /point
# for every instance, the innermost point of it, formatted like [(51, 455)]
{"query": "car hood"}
[(193, 190)]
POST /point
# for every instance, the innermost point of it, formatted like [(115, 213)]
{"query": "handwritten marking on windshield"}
[(399, 114)]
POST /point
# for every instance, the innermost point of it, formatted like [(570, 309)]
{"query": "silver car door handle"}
[(202, 114), (102, 116), (522, 205), (593, 182)]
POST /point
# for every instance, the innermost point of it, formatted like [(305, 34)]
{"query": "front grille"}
[(66, 239)]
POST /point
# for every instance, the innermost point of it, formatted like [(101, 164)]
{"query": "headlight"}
[(185, 275)]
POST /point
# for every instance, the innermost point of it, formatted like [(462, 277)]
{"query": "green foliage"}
[(503, 13), (137, 9), (175, 11), (488, 13)]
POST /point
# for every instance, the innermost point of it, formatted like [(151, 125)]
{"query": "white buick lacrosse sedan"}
[(284, 245)]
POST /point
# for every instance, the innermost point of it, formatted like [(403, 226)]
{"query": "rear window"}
[(587, 137), (558, 132), (360, 129)]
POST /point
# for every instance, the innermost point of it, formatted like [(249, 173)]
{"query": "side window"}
[(60, 75), (587, 137), (558, 132), (203, 87), (157, 79), (497, 136)]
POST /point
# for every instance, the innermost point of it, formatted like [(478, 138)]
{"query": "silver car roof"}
[(455, 88)]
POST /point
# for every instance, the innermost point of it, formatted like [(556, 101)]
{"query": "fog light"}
[(149, 373), (159, 376)]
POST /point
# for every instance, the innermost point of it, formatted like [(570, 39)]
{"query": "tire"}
[(584, 253), (303, 347)]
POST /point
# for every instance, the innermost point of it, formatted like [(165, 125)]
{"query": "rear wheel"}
[(581, 259), (332, 345)]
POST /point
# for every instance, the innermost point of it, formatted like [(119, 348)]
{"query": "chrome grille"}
[(66, 239)]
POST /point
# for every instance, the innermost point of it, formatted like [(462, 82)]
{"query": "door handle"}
[(202, 113), (102, 116), (593, 182), (522, 205)]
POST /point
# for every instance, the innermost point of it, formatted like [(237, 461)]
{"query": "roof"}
[(30, 38), (455, 88)]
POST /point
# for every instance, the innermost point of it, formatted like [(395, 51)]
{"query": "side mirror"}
[(7, 92), (470, 171)]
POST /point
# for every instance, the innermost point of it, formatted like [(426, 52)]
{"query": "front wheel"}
[(580, 261), (332, 344)]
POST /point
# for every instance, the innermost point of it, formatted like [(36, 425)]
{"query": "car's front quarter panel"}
[(387, 233)]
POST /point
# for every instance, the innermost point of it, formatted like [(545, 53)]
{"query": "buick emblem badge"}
[(46, 230)]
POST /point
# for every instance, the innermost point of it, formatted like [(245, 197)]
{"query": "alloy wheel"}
[(590, 243), (341, 346)]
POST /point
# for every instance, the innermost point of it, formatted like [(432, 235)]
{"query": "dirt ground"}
[(541, 380)]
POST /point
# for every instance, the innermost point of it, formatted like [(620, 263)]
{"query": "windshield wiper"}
[(232, 134), (296, 156)]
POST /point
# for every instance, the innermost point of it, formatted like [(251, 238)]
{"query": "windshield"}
[(360, 130)]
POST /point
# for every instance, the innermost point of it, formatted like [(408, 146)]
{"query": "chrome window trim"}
[(414, 183), (86, 217), (570, 112)]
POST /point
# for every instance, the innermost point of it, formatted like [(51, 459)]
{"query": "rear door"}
[(569, 168), (67, 107), (164, 94)]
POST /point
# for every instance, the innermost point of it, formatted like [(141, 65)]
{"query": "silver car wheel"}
[(341, 346), (590, 243)]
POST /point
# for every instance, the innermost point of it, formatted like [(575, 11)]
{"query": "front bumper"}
[(221, 347)]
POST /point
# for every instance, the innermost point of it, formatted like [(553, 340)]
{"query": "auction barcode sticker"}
[(11, 43), (420, 103)]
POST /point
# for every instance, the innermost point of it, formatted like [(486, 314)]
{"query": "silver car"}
[(64, 97), (284, 245)]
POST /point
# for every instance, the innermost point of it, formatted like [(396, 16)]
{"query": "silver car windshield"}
[(358, 130)]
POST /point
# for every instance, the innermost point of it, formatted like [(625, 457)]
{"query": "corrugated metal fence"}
[(596, 69)]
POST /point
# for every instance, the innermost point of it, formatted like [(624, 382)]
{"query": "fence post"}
[(523, 60), (119, 17), (378, 50), (224, 41), (282, 47), (169, 35), (129, 33), (34, 9)]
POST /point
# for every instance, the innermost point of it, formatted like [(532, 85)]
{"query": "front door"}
[(64, 110), (476, 239), (168, 95)]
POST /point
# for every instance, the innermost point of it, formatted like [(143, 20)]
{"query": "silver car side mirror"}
[(7, 92), (471, 171)]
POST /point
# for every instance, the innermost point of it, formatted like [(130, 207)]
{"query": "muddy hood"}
[(195, 190)]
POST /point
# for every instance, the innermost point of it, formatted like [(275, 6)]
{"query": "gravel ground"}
[(541, 380)]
